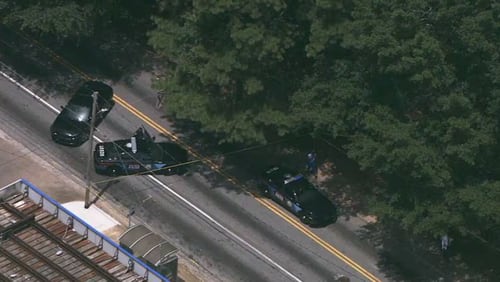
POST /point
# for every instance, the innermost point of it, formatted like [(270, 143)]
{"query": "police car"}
[(139, 154), (294, 192)]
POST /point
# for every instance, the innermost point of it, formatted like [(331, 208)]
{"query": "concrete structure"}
[(106, 216), (42, 240), (151, 248)]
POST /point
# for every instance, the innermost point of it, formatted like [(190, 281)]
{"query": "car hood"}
[(67, 127), (315, 202)]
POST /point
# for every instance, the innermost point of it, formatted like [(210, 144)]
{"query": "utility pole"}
[(91, 144)]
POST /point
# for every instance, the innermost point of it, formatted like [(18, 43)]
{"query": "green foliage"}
[(434, 129), (72, 19), (391, 147), (230, 58), (65, 20), (481, 201), (412, 85), (328, 107), (61, 18)]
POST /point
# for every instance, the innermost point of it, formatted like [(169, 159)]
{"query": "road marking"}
[(293, 221), (175, 194), (265, 202), (232, 234), (38, 98), (270, 205)]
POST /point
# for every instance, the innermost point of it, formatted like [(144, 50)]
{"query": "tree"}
[(411, 85), (62, 18), (236, 64), (73, 19), (426, 127)]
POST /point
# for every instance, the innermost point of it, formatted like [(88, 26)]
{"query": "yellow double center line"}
[(265, 202), (293, 221)]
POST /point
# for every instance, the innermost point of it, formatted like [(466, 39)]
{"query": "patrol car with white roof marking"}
[(294, 192), (139, 154)]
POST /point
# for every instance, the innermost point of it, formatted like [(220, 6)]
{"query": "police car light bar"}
[(134, 144), (101, 151), (292, 179)]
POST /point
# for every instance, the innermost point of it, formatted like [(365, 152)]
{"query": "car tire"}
[(264, 190), (303, 218)]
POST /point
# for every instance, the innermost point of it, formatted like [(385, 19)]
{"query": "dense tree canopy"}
[(237, 62), (70, 19), (413, 86)]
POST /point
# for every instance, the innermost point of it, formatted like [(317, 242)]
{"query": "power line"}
[(197, 160), (234, 152)]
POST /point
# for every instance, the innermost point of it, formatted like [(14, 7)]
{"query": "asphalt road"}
[(240, 240)]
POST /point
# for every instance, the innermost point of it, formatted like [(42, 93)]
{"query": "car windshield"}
[(76, 112)]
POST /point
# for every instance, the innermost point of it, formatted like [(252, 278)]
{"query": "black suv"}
[(293, 191), (139, 154), (72, 125)]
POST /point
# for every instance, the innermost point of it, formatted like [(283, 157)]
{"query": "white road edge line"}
[(225, 229), (29, 92), (171, 191)]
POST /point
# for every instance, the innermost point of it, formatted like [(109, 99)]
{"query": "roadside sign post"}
[(91, 143)]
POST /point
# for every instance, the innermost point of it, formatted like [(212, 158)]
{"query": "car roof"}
[(119, 148), (82, 100), (105, 91)]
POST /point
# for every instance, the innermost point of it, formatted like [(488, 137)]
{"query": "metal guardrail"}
[(82, 228)]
